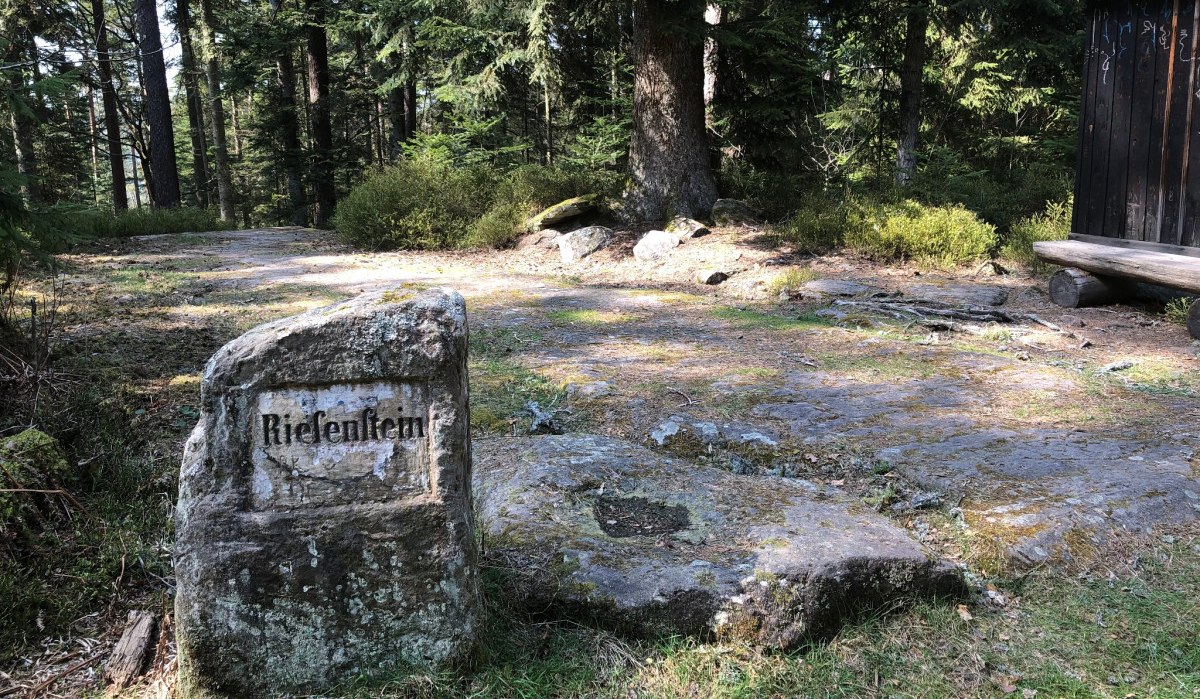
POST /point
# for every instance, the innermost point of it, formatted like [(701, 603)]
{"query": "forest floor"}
[(1061, 467)]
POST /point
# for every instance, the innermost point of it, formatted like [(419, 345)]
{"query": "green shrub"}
[(94, 223), (416, 204), (431, 204), (999, 198), (817, 227), (942, 236), (1178, 309), (1052, 224)]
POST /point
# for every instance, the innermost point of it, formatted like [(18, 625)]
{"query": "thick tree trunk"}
[(318, 98), (195, 108), (668, 154), (22, 121), (289, 131), (910, 93), (216, 112), (158, 107)]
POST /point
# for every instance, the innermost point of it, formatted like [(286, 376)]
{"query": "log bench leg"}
[(1194, 319), (1075, 288)]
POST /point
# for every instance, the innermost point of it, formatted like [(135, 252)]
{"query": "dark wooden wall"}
[(1138, 176)]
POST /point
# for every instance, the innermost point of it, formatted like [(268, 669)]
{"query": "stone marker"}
[(324, 520)]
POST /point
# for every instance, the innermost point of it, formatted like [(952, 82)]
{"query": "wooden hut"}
[(1137, 191)]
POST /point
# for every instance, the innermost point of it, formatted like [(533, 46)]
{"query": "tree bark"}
[(108, 99), (396, 121), (410, 109), (911, 72), (191, 87), (22, 120), (293, 152), (158, 107), (216, 112), (668, 154), (318, 98), (712, 17)]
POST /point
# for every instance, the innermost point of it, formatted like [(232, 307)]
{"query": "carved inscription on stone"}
[(340, 444)]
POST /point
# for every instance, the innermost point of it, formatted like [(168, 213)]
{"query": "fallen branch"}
[(906, 310)]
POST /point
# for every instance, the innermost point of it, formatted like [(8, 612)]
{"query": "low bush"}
[(1052, 224), (86, 222), (427, 204), (819, 226), (941, 236)]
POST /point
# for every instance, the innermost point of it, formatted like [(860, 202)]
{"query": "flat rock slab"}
[(1056, 495), (601, 529), (837, 287)]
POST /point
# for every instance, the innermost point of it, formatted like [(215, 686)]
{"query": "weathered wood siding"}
[(1138, 176)]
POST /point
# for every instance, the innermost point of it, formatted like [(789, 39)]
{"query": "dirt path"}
[(1012, 437)]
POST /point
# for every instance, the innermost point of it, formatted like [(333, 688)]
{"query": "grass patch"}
[(1131, 634), (588, 317), (1052, 224), (144, 221), (757, 320), (790, 280)]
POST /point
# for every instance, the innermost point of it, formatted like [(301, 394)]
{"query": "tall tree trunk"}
[(235, 121), (317, 56), (195, 108), (94, 143), (549, 125), (910, 93), (216, 111), (410, 109), (22, 121), (668, 154), (712, 17), (289, 122), (133, 168), (108, 99), (397, 128), (158, 107)]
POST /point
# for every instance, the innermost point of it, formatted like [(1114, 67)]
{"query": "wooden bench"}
[(1095, 272)]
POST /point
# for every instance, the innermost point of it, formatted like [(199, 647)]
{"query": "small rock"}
[(543, 420), (562, 211), (576, 245), (1120, 365), (710, 276), (684, 228), (655, 246), (545, 239), (595, 389), (1071, 321), (732, 212)]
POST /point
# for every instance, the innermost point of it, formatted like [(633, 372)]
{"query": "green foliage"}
[(119, 529), (1177, 309), (430, 204), (1052, 224), (1001, 199), (94, 223), (818, 227), (417, 204), (942, 236)]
